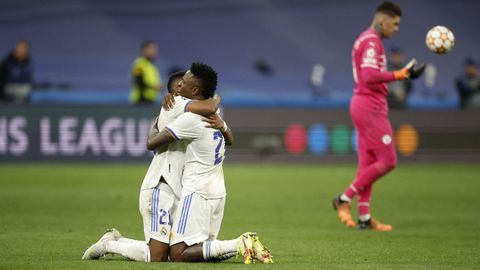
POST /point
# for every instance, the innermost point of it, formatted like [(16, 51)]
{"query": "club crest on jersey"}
[(387, 139)]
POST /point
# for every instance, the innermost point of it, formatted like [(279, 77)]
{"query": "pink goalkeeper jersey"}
[(370, 72)]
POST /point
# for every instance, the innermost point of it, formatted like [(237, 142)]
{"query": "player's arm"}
[(370, 66), (153, 129), (370, 63), (216, 122), (152, 132), (186, 126), (182, 128), (372, 75), (159, 138), (202, 107)]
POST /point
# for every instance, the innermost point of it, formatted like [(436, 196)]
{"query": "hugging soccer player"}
[(369, 112)]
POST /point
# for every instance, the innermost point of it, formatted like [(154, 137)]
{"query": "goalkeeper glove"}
[(416, 72), (409, 71)]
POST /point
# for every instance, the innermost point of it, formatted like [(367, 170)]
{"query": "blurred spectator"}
[(468, 85), (398, 90), (145, 77), (16, 74)]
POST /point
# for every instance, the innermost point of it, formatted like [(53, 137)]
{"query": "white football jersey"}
[(203, 172), (168, 160)]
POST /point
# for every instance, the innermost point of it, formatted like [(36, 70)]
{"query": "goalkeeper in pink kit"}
[(369, 112)]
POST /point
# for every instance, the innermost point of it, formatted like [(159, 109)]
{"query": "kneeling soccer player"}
[(160, 190), (200, 210)]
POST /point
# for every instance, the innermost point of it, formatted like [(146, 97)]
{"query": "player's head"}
[(174, 82), (149, 49), (200, 81), (387, 19)]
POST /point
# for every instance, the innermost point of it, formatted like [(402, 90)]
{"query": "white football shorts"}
[(197, 219), (157, 207)]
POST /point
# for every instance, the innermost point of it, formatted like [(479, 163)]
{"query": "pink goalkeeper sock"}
[(363, 208), (364, 201), (350, 192)]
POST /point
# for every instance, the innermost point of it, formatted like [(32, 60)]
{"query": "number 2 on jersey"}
[(218, 135), (163, 213)]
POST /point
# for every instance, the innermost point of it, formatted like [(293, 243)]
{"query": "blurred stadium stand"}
[(89, 45)]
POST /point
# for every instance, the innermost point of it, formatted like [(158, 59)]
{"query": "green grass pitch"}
[(50, 213)]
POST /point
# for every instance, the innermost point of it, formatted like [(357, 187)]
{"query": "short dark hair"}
[(390, 9), (207, 76), (173, 77)]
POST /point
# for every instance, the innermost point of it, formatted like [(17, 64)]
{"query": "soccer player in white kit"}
[(200, 210), (160, 190)]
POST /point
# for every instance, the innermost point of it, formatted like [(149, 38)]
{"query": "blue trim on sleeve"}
[(173, 133), (186, 105)]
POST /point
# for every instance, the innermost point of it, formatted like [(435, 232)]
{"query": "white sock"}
[(220, 250), (130, 241), (133, 251), (345, 198), (365, 217)]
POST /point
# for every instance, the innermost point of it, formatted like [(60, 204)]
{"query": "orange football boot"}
[(343, 210), (373, 224)]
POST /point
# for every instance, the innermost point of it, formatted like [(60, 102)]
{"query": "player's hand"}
[(214, 121), (404, 73), (217, 99), (410, 71), (168, 101), (416, 72)]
